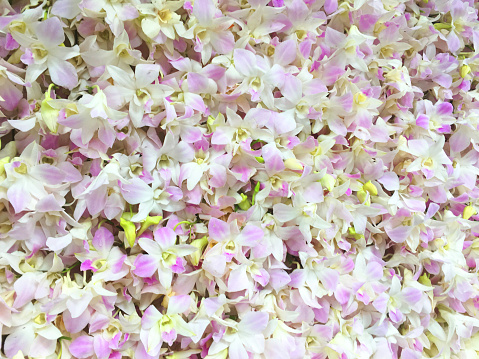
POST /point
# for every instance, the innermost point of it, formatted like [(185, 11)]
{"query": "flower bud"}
[(149, 221), (364, 198), (370, 188), (424, 280), (245, 204), (130, 231), (49, 114), (199, 243), (465, 69), (328, 181), (468, 212), (260, 159)]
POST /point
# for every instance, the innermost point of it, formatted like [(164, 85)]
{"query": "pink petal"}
[(62, 72), (399, 234), (204, 10), (75, 325), (238, 279), (19, 197), (136, 191), (179, 304), (245, 62), (197, 83), (254, 322), (165, 237), (285, 52), (50, 31), (21, 339), (11, 95), (145, 266), (218, 230), (103, 239), (222, 42), (272, 158), (82, 347), (25, 288), (250, 235), (101, 347)]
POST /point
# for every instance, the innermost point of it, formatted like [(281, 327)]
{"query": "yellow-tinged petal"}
[(3, 162), (293, 164), (130, 231), (19, 355), (221, 355), (49, 114)]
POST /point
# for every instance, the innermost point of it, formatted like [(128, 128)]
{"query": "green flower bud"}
[(149, 221), (201, 244), (245, 204), (130, 231)]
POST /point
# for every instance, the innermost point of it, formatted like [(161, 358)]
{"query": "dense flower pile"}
[(239, 179)]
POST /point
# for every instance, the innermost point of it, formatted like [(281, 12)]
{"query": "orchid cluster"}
[(244, 179)]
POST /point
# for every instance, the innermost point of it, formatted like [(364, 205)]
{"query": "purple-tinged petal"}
[(10, 95), (222, 42)]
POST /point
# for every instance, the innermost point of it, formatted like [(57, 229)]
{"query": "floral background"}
[(239, 179)]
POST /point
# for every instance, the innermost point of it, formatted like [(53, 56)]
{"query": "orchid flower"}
[(45, 52), (164, 256)]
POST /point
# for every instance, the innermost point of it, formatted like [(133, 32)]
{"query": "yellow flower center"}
[(165, 15), (22, 169), (168, 258)]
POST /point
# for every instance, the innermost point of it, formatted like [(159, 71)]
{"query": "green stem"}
[(182, 222), (70, 268)]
